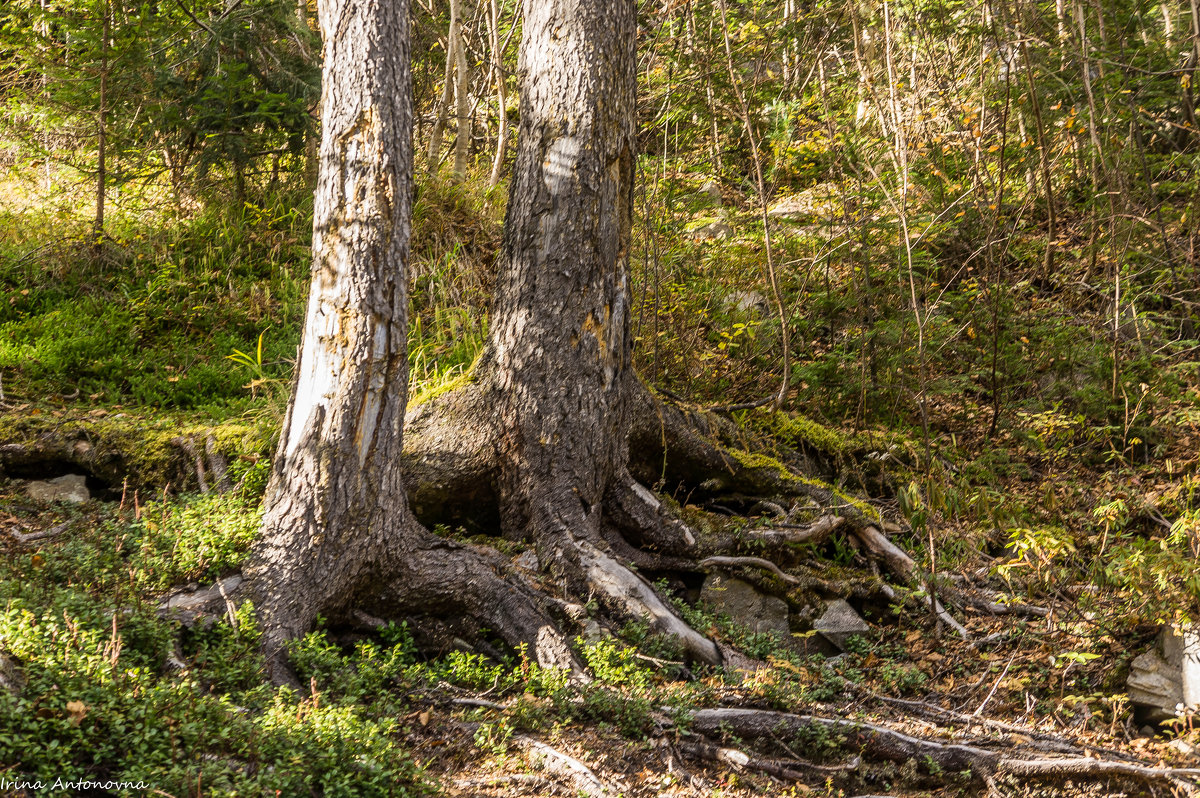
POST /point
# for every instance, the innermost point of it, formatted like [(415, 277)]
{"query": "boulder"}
[(528, 560), (71, 488), (718, 230), (746, 302), (744, 604), (840, 622), (1165, 681), (712, 191)]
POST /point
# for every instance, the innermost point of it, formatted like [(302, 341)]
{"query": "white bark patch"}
[(369, 417), (624, 587), (558, 170), (645, 495), (320, 365)]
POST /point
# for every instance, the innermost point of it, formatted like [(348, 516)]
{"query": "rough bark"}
[(335, 508), (337, 530), (556, 375)]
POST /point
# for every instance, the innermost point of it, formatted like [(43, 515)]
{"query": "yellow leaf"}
[(78, 711)]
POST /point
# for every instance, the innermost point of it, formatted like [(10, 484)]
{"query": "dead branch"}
[(1088, 768), (872, 739), (25, 538), (885, 743), (903, 566)]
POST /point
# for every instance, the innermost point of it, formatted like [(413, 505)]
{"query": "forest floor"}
[(1033, 472), (1043, 686)]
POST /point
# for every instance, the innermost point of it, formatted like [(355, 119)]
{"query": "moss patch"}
[(787, 479), (119, 446), (798, 431)]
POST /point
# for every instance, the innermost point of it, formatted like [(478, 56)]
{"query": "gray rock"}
[(12, 680), (717, 230), (71, 488), (592, 633), (527, 560), (839, 622), (1166, 680), (744, 604), (746, 302), (1184, 747), (712, 190)]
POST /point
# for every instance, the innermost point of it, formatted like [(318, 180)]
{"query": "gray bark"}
[(557, 372), (337, 531), (335, 509), (463, 119), (453, 44)]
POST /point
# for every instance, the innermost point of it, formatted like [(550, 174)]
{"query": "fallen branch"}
[(191, 604), (1086, 767), (32, 537), (903, 566), (872, 739), (766, 400), (1055, 743), (530, 780), (885, 743)]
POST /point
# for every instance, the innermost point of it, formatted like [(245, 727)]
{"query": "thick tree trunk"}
[(556, 374), (335, 510), (558, 359), (337, 531)]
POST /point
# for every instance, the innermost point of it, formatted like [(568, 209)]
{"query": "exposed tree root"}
[(578, 775), (790, 769), (749, 562), (881, 742), (452, 473), (816, 532)]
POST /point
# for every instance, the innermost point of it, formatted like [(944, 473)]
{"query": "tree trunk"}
[(337, 530), (102, 133), (335, 503), (557, 372), (453, 42), (462, 82), (501, 92), (542, 431)]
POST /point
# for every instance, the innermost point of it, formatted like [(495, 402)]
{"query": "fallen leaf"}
[(78, 711)]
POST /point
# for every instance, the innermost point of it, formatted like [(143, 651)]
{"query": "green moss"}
[(797, 430), (119, 446), (759, 461)]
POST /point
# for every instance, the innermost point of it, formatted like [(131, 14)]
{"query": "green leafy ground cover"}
[(1078, 496)]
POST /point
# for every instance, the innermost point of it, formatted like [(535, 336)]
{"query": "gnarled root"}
[(881, 742)]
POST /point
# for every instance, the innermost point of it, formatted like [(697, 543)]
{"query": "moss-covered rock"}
[(124, 448)]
